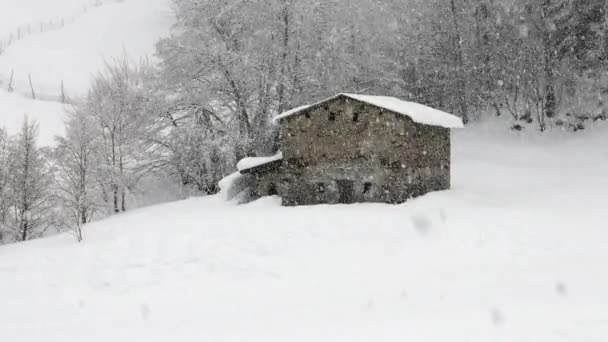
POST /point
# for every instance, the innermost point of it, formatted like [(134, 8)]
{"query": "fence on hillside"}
[(27, 30), (51, 24)]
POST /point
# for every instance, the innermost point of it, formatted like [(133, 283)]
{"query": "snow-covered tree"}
[(75, 158), (29, 182), (4, 178), (118, 107)]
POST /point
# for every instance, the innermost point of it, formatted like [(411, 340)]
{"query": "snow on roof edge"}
[(251, 162), (419, 113), (292, 111)]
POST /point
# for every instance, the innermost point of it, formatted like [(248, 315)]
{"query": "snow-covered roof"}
[(417, 112), (292, 111), (251, 162)]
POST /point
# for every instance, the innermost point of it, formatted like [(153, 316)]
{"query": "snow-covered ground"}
[(74, 53), (91, 36), (516, 251), (49, 115), (21, 13)]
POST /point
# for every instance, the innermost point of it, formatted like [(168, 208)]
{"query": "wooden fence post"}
[(62, 93), (10, 82), (29, 76)]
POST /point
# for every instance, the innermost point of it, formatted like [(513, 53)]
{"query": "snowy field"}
[(516, 251)]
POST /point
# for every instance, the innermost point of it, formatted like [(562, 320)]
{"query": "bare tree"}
[(75, 159), (30, 185), (117, 105), (4, 182)]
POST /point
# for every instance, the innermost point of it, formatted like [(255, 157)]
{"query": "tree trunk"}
[(115, 197), (24, 234), (283, 78), (243, 116), (549, 71), (123, 204), (114, 183), (550, 64), (459, 62), (83, 215), (83, 186), (26, 170)]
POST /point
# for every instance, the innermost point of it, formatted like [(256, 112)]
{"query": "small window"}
[(356, 117), (320, 188), (332, 116), (367, 187)]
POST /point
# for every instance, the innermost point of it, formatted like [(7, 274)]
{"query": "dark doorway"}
[(272, 189), (367, 187), (346, 189)]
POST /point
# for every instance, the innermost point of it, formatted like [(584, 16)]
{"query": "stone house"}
[(356, 148)]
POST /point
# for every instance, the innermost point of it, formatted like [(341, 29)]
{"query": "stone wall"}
[(347, 151)]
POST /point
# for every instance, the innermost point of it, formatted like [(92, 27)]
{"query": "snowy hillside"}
[(514, 252), (50, 115), (75, 52), (94, 32), (34, 12)]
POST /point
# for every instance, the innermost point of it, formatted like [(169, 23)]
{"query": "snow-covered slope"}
[(514, 252), (74, 53), (91, 36), (21, 13), (49, 115)]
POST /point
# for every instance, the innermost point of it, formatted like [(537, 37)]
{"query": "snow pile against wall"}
[(236, 187)]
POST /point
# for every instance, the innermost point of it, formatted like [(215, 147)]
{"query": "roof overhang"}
[(257, 165)]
